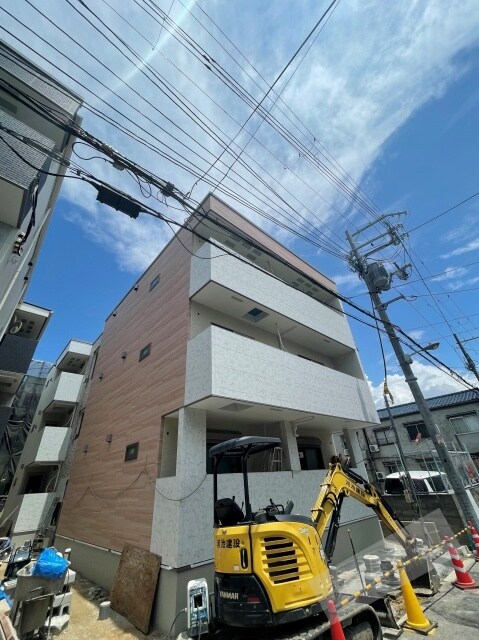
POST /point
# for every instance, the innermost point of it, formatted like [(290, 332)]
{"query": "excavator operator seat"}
[(228, 512)]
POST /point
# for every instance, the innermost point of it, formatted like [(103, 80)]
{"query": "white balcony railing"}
[(266, 291), (64, 389), (53, 445), (224, 364), (33, 509)]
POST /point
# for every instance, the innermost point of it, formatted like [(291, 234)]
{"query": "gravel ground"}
[(84, 623)]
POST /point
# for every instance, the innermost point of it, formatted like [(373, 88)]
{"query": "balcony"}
[(16, 353), (33, 510), (74, 357), (19, 343), (62, 391), (234, 287), (230, 373), (52, 446), (17, 178)]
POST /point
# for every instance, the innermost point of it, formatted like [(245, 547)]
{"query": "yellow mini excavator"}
[(272, 576)]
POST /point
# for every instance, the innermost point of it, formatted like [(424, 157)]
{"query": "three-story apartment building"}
[(227, 333)]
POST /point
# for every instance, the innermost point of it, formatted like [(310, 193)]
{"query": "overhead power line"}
[(443, 213), (270, 89), (328, 245), (169, 190)]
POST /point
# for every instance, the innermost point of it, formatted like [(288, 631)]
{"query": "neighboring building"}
[(208, 346), (22, 411), (457, 416), (29, 146), (34, 501)]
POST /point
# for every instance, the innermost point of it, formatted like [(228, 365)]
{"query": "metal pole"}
[(464, 502), (469, 361), (355, 558), (412, 489)]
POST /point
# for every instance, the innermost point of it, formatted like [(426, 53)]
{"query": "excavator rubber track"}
[(359, 622)]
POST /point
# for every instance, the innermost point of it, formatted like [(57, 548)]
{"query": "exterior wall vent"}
[(255, 314)]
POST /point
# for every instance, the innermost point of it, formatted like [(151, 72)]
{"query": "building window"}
[(465, 423), (392, 467), (145, 352), (417, 431), (154, 282), (131, 451), (384, 436)]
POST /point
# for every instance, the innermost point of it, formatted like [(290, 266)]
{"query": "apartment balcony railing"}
[(63, 390), (34, 508), (223, 364), (233, 286), (16, 353), (52, 446)]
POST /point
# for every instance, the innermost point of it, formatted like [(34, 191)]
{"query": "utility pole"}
[(469, 361), (378, 279)]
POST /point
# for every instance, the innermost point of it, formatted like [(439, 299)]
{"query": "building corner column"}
[(291, 461)]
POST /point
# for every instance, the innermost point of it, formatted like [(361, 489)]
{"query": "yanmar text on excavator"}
[(272, 577)]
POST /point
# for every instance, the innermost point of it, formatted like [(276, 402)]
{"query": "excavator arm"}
[(342, 482)]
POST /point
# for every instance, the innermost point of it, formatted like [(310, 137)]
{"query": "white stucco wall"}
[(267, 291), (53, 444), (33, 509), (223, 364), (64, 388)]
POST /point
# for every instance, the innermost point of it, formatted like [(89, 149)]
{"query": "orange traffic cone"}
[(415, 618), (475, 539), (337, 632), (464, 578)]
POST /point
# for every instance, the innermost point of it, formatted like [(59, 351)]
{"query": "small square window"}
[(145, 352), (131, 451), (154, 282)]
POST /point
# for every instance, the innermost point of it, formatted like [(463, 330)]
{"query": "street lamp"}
[(429, 347)]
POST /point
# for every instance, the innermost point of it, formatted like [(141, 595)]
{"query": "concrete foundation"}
[(94, 563)]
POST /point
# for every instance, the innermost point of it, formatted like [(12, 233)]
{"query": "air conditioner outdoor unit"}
[(380, 475), (373, 448)]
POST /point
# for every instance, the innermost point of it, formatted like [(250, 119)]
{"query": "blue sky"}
[(390, 89)]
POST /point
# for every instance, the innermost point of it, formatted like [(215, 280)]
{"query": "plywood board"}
[(134, 586)]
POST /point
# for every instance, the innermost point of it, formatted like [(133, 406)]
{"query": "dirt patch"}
[(84, 623)]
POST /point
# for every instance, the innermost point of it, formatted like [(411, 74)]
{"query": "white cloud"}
[(416, 334), (347, 280), (450, 273), (433, 382), (373, 66), (467, 248)]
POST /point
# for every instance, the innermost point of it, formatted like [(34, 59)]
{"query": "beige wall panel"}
[(109, 502)]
